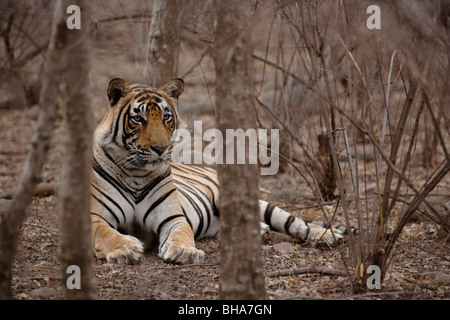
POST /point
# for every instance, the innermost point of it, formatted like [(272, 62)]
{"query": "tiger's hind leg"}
[(281, 221)]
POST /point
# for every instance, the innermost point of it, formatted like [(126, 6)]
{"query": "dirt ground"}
[(420, 269)]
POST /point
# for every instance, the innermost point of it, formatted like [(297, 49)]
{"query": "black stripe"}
[(137, 194), (116, 128), (196, 192), (212, 201), (307, 231), (196, 172), (96, 214), (166, 221), (288, 223), (197, 210), (145, 190), (106, 176), (139, 86), (125, 134), (107, 208), (143, 92), (111, 200), (161, 244), (160, 187), (157, 203), (187, 219), (108, 155), (268, 215), (216, 210)]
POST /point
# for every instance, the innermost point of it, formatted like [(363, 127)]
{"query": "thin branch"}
[(182, 266), (142, 15), (12, 220), (308, 270), (418, 199), (360, 128), (436, 125), (289, 131)]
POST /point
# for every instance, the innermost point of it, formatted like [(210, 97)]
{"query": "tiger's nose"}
[(159, 149)]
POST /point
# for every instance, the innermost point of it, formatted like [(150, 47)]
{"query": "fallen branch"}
[(171, 267), (306, 270)]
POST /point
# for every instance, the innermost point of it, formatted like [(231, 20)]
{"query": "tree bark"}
[(241, 273), (12, 220), (326, 176), (74, 193), (164, 42)]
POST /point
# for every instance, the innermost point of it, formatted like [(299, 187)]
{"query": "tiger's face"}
[(140, 125)]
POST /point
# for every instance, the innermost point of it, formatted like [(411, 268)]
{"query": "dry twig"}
[(307, 270)]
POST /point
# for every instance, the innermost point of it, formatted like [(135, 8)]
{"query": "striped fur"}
[(139, 198)]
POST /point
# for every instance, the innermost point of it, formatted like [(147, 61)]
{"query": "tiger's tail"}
[(279, 220)]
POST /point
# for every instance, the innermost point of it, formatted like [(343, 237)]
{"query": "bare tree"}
[(74, 193), (164, 42), (241, 274), (65, 82), (24, 38), (11, 221)]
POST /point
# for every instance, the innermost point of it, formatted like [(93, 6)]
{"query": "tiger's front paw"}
[(318, 234), (180, 253), (127, 250)]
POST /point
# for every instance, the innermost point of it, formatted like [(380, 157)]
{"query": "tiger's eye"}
[(137, 119)]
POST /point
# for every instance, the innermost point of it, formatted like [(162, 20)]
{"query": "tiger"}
[(140, 199)]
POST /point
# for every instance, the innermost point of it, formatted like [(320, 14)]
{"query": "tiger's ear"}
[(117, 89), (174, 88)]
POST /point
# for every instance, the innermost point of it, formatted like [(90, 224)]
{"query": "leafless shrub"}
[(360, 111), (377, 95), (24, 37)]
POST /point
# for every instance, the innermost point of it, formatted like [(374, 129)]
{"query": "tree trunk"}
[(164, 42), (74, 193), (12, 220), (326, 176), (241, 274)]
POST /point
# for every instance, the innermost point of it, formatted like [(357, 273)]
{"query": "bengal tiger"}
[(139, 197)]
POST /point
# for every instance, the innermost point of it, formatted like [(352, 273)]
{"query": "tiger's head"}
[(141, 122)]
